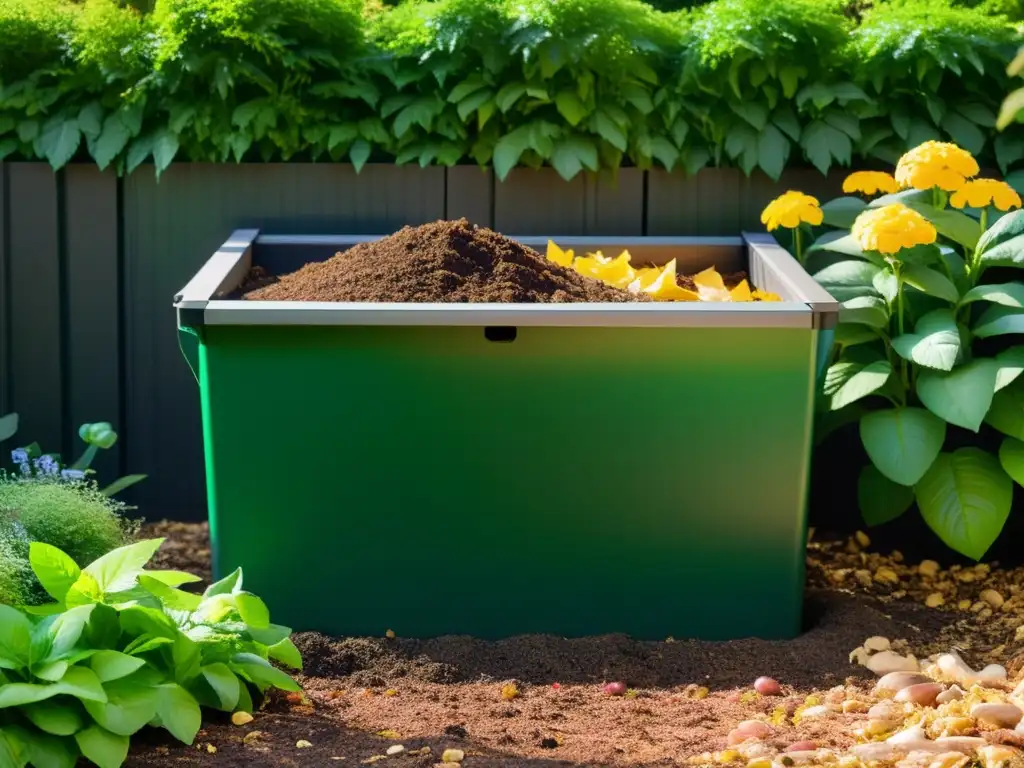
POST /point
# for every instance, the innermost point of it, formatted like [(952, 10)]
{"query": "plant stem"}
[(899, 324), (798, 245)]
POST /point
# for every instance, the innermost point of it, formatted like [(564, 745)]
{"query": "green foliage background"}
[(575, 84)]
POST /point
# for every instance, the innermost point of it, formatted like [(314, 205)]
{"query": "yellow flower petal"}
[(665, 288), (710, 286), (741, 292), (979, 193), (557, 255), (760, 295), (870, 183)]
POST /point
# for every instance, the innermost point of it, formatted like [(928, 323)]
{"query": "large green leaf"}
[(902, 442), (113, 665), (261, 672), (935, 342), (55, 570), (44, 750), (930, 281), (128, 708), (866, 310), (571, 156), (8, 426), (999, 320), (253, 610), (15, 638), (179, 712), (842, 211), (848, 279), (965, 497), (79, 682), (60, 140), (61, 718), (957, 226), (1006, 294), (962, 396), (772, 151), (102, 747), (172, 598), (1011, 457), (1002, 245), (224, 683), (285, 652), (879, 498), (1009, 365), (848, 382), (1007, 411), (118, 570)]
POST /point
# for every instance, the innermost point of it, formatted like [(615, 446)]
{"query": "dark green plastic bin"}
[(495, 470)]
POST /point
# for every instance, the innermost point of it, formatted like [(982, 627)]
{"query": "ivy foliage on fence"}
[(580, 85)]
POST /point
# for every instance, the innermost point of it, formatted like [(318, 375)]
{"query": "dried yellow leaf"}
[(760, 295), (665, 288), (303, 744), (389, 734), (710, 286), (741, 292), (211, 749), (509, 691), (558, 256)]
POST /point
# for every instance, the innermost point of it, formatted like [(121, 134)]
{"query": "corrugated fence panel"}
[(171, 227), (34, 300), (6, 371), (539, 202), (93, 291)]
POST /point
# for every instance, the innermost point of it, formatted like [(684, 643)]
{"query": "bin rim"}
[(202, 301)]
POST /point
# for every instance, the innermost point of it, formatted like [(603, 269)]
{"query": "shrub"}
[(72, 516), (579, 85), (18, 584), (121, 648)]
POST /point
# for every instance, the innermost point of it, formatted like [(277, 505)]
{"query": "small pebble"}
[(993, 598), (885, 710), (768, 686), (923, 694), (934, 600), (997, 715), (964, 605), (953, 694), (886, 661), (241, 718), (928, 568), (749, 729), (615, 689), (818, 711), (396, 749), (303, 744), (453, 756), (877, 643), (862, 539), (897, 681), (886, 575), (801, 746)]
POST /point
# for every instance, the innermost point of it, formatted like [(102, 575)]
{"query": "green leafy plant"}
[(577, 85), (924, 359), (121, 648)]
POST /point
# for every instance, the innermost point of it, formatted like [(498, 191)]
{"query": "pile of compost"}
[(444, 261)]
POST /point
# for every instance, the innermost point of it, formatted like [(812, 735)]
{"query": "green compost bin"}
[(494, 470)]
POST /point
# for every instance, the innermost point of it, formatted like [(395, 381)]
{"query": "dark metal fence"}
[(89, 263)]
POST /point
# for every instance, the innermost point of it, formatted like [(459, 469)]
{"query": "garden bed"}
[(368, 694)]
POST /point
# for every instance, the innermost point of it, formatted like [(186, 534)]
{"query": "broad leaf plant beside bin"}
[(926, 356)]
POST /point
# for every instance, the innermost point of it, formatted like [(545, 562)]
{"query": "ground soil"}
[(444, 261), (364, 695)]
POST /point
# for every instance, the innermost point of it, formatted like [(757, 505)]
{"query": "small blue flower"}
[(25, 468), (19, 456), (72, 474), (47, 465)]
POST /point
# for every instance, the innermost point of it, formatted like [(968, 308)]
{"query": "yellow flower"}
[(891, 228), (979, 193), (790, 209), (870, 183), (936, 164)]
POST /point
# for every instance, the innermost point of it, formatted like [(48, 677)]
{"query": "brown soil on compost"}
[(444, 261), (364, 695)]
